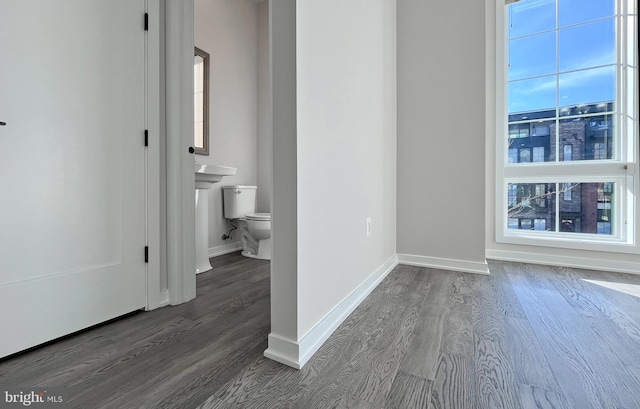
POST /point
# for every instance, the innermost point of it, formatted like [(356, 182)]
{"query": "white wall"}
[(343, 147), (346, 169), (441, 141), (227, 30)]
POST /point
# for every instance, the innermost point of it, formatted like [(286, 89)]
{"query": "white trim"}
[(464, 266), (153, 183), (225, 249), (296, 354), (283, 350), (179, 132), (601, 264)]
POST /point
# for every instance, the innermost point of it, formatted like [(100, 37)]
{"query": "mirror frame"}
[(204, 149)]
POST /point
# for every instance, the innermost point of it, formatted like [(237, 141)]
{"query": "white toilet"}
[(254, 228)]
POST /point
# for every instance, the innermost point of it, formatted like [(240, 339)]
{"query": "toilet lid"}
[(258, 216)]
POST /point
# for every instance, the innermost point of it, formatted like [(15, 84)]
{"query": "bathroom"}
[(235, 34)]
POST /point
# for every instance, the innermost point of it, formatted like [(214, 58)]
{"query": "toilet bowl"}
[(254, 228), (259, 228)]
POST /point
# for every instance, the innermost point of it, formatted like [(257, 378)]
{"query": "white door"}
[(72, 166)]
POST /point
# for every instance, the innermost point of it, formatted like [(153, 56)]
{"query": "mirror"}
[(201, 102)]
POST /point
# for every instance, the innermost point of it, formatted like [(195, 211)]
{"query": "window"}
[(566, 191), (513, 195), (568, 152), (599, 151), (607, 188), (513, 155), (541, 196), (539, 224), (519, 131), (604, 228), (570, 88), (538, 154), (540, 130)]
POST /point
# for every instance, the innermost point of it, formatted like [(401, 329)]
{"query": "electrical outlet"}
[(368, 226)]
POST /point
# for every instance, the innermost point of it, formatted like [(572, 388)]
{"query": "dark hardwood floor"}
[(525, 337)]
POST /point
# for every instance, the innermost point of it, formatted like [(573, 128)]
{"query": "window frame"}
[(622, 170)]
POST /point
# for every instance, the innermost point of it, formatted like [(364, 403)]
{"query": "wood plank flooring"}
[(524, 337)]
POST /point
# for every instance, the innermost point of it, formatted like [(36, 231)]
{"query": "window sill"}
[(575, 241)]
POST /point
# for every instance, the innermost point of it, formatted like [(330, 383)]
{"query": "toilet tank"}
[(238, 201)]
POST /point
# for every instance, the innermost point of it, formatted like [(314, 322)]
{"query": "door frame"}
[(170, 169), (156, 297)]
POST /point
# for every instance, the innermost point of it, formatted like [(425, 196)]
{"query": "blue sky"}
[(583, 44)]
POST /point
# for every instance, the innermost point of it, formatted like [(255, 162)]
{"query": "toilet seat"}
[(258, 216)]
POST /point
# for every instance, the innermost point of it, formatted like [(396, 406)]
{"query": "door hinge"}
[(146, 137), (146, 21), (146, 254)]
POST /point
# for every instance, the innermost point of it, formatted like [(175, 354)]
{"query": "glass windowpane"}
[(587, 45), (578, 11), (597, 85), (528, 202), (532, 56), (538, 94), (521, 23), (587, 209)]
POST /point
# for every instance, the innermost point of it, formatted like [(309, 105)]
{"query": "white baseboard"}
[(284, 350), (225, 249), (564, 261), (297, 353), (444, 263)]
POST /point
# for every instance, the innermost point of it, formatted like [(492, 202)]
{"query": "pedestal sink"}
[(206, 177)]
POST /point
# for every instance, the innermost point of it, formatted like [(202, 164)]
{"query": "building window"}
[(568, 152), (540, 129), (538, 154), (570, 115), (541, 196), (513, 195), (607, 187), (540, 224), (518, 131), (604, 228), (566, 191), (599, 151)]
